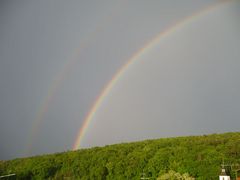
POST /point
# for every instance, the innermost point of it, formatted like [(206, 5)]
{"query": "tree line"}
[(194, 157)]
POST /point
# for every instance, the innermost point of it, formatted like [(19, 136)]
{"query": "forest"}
[(192, 157)]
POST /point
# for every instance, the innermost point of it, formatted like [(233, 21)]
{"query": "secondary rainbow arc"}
[(62, 75), (153, 42)]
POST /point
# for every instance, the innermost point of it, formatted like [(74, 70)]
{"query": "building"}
[(223, 175)]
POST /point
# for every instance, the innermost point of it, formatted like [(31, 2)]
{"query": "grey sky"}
[(193, 73)]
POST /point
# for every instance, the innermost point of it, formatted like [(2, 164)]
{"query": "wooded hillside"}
[(199, 157)]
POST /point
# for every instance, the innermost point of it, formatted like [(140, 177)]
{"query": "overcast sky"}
[(57, 56)]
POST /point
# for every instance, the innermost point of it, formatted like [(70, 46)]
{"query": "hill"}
[(195, 156)]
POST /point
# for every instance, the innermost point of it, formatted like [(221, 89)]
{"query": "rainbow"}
[(67, 68), (149, 45)]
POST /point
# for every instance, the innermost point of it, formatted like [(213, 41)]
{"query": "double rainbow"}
[(67, 68)]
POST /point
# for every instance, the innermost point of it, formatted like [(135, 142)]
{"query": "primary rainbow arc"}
[(163, 34)]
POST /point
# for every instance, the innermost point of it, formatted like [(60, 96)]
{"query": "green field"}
[(199, 157)]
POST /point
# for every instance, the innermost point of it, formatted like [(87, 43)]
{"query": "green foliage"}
[(196, 157), (172, 175)]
